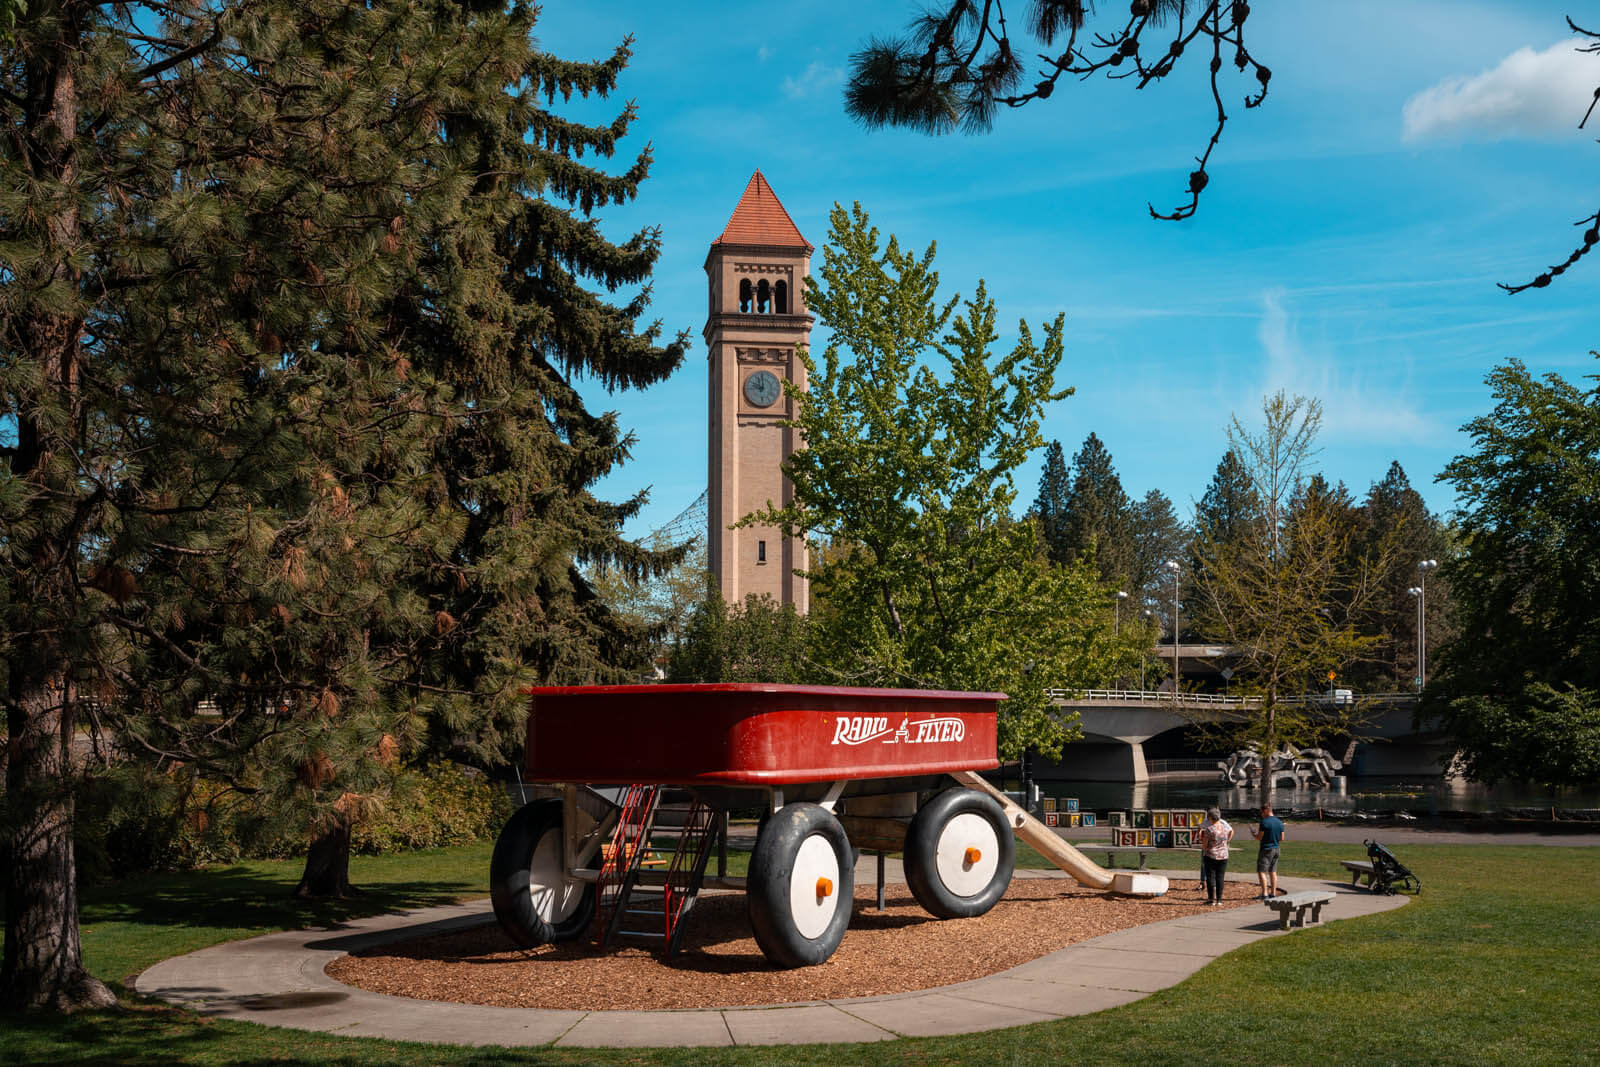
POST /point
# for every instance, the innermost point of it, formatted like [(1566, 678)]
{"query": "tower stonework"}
[(756, 318)]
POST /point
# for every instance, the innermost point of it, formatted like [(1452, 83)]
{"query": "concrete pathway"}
[(279, 980)]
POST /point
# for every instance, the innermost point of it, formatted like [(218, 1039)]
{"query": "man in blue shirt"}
[(1270, 834)]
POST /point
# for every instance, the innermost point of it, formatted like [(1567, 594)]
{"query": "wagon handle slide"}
[(1081, 868)]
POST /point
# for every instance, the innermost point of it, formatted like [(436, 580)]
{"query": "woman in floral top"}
[(1214, 837)]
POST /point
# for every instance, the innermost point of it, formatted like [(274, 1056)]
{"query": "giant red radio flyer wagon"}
[(632, 785)]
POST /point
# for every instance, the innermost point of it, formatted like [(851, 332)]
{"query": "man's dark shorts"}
[(1267, 861)]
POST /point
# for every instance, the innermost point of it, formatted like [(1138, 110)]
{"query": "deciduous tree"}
[(913, 471), (1526, 661), (1284, 590)]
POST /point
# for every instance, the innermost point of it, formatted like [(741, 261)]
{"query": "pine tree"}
[(301, 300), (1156, 535), (1050, 506), (1230, 503), (1395, 510), (1095, 519)]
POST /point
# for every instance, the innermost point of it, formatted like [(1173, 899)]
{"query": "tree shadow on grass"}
[(160, 1034), (241, 897)]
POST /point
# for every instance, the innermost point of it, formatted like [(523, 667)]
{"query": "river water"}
[(1378, 797)]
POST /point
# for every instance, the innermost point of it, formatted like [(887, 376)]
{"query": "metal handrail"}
[(1147, 696)]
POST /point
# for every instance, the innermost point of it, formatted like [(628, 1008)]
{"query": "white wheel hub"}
[(814, 887), (968, 854), (555, 897)]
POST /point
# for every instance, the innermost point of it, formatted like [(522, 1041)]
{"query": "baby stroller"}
[(1388, 873)]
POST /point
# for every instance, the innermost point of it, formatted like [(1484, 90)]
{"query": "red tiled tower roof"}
[(760, 220)]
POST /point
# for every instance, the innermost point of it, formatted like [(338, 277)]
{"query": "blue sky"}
[(1409, 157)]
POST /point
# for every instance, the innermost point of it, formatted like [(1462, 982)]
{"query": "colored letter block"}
[(1117, 818), (1163, 838), (1160, 820), (1049, 803), (1144, 838), (1182, 839), (1072, 803), (1050, 818), (1141, 819), (1073, 819), (1180, 819), (1088, 818)]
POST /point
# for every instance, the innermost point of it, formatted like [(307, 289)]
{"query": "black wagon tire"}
[(801, 885), (959, 854), (534, 900)]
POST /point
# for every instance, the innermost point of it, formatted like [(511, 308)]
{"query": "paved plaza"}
[(279, 980)]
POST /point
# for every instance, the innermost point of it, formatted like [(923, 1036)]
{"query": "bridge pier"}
[(1096, 761)]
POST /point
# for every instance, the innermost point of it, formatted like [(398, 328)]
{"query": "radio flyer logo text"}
[(860, 729)]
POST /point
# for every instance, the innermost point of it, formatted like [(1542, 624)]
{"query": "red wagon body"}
[(824, 763), (754, 735)]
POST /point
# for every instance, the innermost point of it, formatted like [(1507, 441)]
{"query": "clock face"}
[(762, 389)]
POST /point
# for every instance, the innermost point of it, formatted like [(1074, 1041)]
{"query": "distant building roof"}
[(761, 220)]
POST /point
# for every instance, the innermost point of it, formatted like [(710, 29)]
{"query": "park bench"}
[(1112, 852), (1298, 903), (1357, 869)]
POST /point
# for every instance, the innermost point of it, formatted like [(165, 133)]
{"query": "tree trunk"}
[(327, 871), (43, 962), (43, 965)]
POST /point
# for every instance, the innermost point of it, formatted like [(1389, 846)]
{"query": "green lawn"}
[(1497, 962)]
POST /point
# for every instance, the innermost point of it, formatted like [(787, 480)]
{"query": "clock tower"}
[(756, 278)]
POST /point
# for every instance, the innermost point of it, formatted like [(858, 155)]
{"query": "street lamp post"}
[(1416, 594), (1116, 617), (1172, 565), (1148, 615), (1422, 620)]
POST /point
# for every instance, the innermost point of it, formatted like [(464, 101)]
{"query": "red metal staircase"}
[(645, 892)]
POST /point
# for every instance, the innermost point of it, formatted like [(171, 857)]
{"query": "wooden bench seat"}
[(1111, 854), (1358, 869), (1298, 903)]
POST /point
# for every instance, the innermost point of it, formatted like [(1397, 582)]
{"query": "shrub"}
[(136, 819), (431, 807)]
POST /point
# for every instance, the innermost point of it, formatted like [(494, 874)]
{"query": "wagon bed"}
[(754, 735), (834, 769)]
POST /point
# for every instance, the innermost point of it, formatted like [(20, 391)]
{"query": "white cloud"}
[(764, 53), (818, 79), (1530, 94), (1352, 409)]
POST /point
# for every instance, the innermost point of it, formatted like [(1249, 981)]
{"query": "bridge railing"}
[(1158, 697)]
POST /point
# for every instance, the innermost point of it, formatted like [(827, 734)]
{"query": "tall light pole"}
[(1422, 620), (1148, 615), (1416, 594), (1116, 617), (1172, 565)]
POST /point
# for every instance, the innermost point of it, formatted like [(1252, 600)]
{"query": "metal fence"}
[(1222, 700), (1182, 766)]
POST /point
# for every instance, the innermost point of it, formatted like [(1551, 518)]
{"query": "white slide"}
[(1083, 869)]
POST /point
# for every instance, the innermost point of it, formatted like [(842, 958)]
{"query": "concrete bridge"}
[(1116, 723)]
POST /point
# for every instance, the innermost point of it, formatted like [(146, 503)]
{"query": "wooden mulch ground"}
[(898, 950)]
